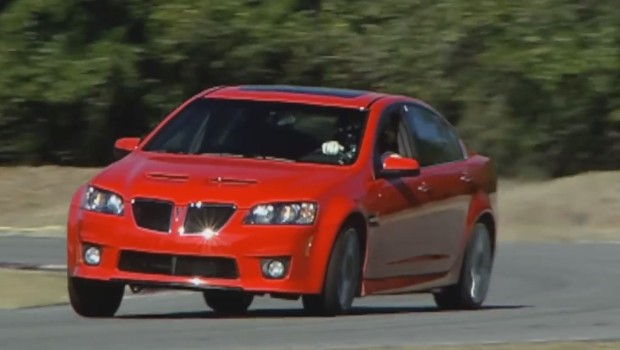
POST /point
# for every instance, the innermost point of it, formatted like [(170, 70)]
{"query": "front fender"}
[(332, 217), (73, 227)]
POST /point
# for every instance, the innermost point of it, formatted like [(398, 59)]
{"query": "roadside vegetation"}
[(535, 84)]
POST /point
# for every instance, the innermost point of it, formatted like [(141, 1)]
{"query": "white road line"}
[(53, 267), (526, 341), (583, 241), (31, 229)]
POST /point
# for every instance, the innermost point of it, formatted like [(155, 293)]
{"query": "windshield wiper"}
[(236, 155), (223, 154), (274, 158), (168, 151)]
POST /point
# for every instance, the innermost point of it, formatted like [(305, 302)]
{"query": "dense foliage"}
[(535, 84)]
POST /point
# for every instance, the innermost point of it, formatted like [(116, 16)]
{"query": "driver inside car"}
[(387, 143), (345, 139)]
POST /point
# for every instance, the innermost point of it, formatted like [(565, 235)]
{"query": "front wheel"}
[(92, 298), (471, 290), (342, 277), (228, 302)]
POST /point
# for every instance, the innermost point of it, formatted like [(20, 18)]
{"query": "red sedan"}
[(295, 192)]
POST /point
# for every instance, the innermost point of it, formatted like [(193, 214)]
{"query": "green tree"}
[(533, 84)]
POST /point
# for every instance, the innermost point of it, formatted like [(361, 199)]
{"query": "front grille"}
[(177, 265), (152, 214), (207, 216)]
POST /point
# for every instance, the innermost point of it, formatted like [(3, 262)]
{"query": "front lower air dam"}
[(308, 246)]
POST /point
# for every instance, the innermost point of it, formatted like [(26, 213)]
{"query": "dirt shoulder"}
[(34, 197), (31, 288), (582, 207)]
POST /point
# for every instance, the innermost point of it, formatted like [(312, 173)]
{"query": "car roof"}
[(328, 96)]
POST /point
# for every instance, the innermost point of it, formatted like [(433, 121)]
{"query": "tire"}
[(342, 278), (475, 276), (92, 298), (229, 303)]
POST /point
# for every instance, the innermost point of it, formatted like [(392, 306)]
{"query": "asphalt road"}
[(539, 292), (32, 250)]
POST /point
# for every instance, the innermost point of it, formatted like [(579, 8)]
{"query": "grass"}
[(582, 207), (528, 346), (31, 288), (578, 207), (38, 196)]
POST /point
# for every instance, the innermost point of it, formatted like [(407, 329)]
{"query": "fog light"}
[(274, 268), (92, 256)]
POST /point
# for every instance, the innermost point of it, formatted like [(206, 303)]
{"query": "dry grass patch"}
[(38, 196), (585, 206), (581, 207), (32, 288)]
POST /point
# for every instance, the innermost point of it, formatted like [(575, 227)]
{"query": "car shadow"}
[(299, 313)]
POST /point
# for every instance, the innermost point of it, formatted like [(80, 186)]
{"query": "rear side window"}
[(435, 140)]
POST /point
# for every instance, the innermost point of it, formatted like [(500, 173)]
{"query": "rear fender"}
[(479, 205)]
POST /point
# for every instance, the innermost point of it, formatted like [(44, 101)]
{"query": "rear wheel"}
[(226, 302), (341, 279), (471, 290), (92, 298)]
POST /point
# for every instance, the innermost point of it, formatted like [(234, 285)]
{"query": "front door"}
[(396, 205)]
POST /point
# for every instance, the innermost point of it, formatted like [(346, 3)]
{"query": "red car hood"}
[(244, 182)]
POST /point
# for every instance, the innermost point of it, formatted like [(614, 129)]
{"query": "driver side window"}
[(392, 137)]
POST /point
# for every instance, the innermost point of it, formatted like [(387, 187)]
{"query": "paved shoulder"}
[(32, 250), (539, 292)]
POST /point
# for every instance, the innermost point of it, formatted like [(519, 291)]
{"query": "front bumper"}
[(247, 245)]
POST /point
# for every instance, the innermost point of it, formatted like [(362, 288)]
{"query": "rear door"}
[(443, 167)]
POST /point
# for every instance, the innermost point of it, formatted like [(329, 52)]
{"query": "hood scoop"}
[(167, 177), (231, 181)]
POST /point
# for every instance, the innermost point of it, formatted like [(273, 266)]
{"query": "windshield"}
[(263, 130)]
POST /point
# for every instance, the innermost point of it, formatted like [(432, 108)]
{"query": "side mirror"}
[(396, 166), (124, 146)]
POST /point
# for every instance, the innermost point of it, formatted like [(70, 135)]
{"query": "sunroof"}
[(335, 92)]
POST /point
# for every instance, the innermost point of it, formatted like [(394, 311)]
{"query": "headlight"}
[(102, 201), (301, 213)]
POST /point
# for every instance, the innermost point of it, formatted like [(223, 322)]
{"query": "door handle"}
[(466, 177), (424, 187)]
